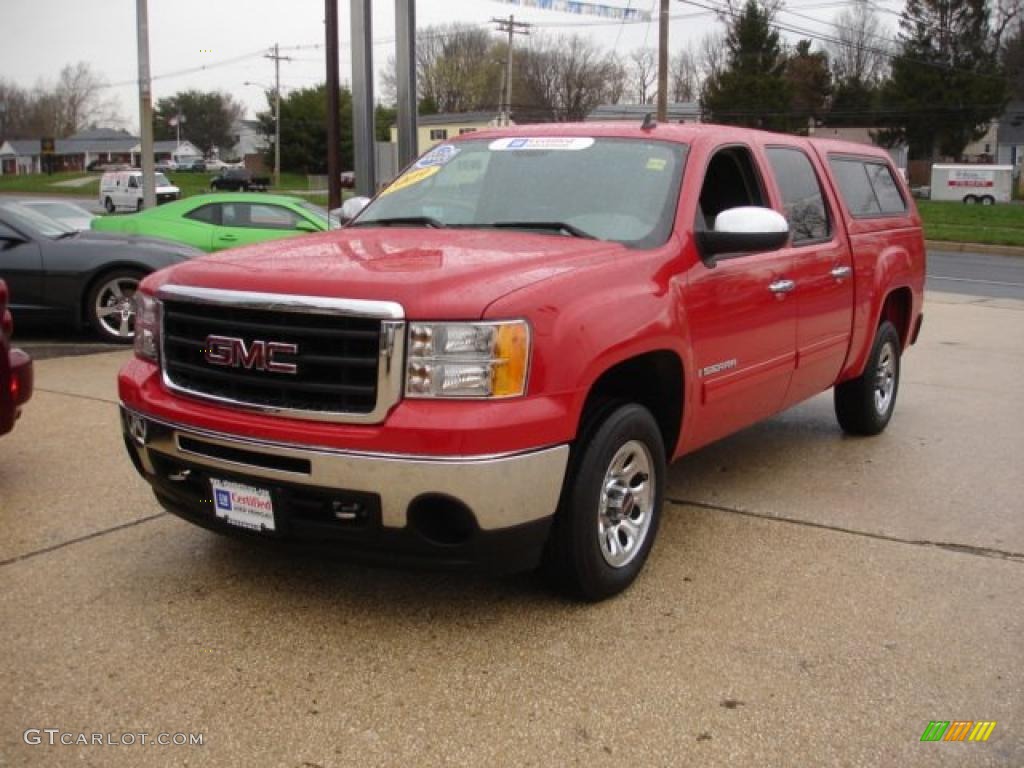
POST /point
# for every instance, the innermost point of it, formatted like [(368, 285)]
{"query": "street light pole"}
[(278, 58), (145, 104)]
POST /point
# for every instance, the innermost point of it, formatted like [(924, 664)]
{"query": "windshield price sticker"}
[(438, 156), (571, 143), (415, 176)]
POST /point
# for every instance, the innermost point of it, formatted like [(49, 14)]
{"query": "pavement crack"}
[(965, 549), (74, 394), (78, 540)]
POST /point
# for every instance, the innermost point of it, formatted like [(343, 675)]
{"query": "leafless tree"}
[(861, 51), (684, 77), (77, 100), (643, 75), (565, 78), (712, 55)]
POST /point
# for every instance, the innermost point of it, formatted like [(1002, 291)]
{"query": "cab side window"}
[(801, 195), (731, 181), (867, 187)]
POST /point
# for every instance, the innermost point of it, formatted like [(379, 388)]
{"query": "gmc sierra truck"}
[(494, 361)]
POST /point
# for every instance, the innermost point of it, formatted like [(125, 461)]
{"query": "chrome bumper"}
[(501, 491)]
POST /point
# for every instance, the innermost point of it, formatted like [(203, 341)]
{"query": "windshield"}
[(60, 210), (161, 180), (623, 190), (23, 217), (316, 210)]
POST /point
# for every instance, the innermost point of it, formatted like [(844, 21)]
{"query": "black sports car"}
[(57, 274)]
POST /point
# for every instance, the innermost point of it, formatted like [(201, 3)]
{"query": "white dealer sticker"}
[(243, 505), (571, 143)]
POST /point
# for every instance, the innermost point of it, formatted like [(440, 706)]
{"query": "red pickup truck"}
[(15, 370), (493, 363)]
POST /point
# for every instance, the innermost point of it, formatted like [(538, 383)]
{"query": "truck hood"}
[(432, 273)]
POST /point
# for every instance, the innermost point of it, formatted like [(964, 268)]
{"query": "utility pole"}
[(278, 58), (333, 121), (405, 69), (663, 63), (513, 28), (362, 97), (145, 104)]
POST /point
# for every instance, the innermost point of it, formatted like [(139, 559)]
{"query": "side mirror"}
[(306, 226), (738, 231), (350, 209)]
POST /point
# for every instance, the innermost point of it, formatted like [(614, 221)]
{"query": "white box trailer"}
[(973, 184)]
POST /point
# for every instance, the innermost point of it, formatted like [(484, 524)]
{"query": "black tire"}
[(988, 200), (577, 560), (865, 405), (108, 205), (138, 205), (108, 327), (970, 200)]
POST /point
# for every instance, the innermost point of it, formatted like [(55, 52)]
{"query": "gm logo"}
[(958, 730), (223, 500), (230, 352)]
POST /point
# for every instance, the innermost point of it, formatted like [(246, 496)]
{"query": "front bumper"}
[(490, 511)]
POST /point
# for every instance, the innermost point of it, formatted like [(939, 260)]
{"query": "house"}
[(20, 156), (1010, 135), (106, 145), (185, 151), (248, 147), (678, 112), (433, 129)]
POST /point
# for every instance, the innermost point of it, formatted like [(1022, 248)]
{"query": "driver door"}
[(741, 316)]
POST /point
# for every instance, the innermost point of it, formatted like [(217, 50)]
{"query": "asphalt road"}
[(976, 274), (812, 600)]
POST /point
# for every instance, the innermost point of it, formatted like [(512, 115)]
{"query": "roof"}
[(101, 134), (679, 110), (449, 118), (1011, 124), (971, 167), (23, 147)]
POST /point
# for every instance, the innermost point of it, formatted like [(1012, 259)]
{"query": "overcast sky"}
[(40, 36)]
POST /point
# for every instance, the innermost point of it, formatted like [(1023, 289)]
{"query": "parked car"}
[(219, 165), (15, 370), (195, 164), (57, 274), (348, 179), (239, 180), (71, 214), (122, 190), (215, 222), (493, 363), (165, 166)]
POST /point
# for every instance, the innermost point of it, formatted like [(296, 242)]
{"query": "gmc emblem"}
[(230, 352)]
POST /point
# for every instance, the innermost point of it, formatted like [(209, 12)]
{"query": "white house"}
[(19, 156)]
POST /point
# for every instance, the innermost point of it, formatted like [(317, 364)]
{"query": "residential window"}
[(801, 195), (464, 131), (438, 134)]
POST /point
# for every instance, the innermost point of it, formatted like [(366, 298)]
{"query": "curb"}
[(996, 250)]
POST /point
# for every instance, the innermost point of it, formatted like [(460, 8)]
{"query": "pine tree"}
[(946, 84)]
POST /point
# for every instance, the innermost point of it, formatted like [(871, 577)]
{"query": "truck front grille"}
[(323, 363)]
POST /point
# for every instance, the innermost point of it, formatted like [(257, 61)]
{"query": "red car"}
[(15, 370), (493, 363)]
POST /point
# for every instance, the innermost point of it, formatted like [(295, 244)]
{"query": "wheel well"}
[(653, 380), (83, 303), (897, 311)]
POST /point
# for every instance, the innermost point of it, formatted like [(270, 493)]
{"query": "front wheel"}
[(864, 405), (108, 204), (111, 306), (611, 506)]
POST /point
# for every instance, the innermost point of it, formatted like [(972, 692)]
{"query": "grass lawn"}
[(1001, 224), (189, 184)]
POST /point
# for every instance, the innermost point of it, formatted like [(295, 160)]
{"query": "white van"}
[(121, 190)]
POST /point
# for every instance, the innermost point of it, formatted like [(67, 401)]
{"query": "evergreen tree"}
[(810, 83), (304, 129), (752, 89), (946, 83)]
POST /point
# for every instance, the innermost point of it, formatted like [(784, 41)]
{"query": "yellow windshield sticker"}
[(415, 176), (656, 164)]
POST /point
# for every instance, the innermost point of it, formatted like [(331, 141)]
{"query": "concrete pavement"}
[(812, 600)]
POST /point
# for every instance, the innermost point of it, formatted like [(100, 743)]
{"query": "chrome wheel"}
[(885, 378), (114, 307), (626, 505)]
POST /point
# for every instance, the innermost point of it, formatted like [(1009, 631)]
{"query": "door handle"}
[(782, 286), (228, 237), (841, 273)]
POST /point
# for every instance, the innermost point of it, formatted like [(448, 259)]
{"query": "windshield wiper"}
[(554, 226), (425, 221)]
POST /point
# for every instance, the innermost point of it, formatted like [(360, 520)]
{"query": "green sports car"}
[(218, 221)]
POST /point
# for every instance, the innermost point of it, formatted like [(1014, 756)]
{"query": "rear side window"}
[(208, 214), (867, 187), (801, 195)]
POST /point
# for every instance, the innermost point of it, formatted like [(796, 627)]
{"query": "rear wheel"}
[(864, 405), (988, 200), (611, 505), (111, 306)]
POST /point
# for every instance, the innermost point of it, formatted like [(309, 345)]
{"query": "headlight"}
[(468, 359), (147, 327)]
